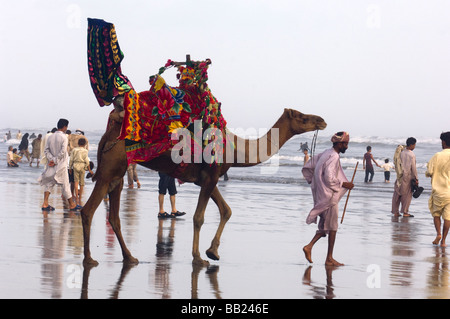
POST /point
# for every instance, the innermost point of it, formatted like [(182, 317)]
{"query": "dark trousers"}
[(369, 170)]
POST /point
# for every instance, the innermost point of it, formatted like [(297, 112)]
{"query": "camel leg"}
[(87, 212), (199, 217), (114, 221), (225, 214)]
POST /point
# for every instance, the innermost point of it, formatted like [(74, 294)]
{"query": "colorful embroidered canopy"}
[(104, 58), (152, 116)]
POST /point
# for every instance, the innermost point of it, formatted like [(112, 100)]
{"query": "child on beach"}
[(79, 163), (387, 170), (10, 158)]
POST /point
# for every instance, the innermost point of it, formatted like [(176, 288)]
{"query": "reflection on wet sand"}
[(320, 291), (403, 249), (57, 236), (164, 250), (438, 276), (161, 282)]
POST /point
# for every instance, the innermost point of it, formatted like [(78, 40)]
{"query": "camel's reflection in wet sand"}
[(162, 284)]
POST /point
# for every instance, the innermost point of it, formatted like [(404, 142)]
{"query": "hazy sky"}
[(368, 67)]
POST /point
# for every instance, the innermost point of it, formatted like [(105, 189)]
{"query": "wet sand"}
[(261, 247)]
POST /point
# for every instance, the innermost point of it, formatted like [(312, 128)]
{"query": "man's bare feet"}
[(307, 251), (437, 240), (332, 262)]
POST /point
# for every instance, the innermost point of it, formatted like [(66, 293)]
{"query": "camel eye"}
[(305, 120)]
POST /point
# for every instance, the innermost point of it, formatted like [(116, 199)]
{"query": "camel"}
[(112, 165)]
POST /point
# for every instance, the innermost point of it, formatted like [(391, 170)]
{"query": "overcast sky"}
[(373, 68)]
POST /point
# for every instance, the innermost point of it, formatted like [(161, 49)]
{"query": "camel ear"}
[(288, 112), (292, 113)]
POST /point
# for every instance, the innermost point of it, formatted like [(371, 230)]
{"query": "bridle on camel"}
[(313, 143)]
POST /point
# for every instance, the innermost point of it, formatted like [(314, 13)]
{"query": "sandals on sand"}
[(48, 208), (177, 214), (173, 215), (163, 215)]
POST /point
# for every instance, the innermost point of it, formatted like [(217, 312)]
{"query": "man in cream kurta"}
[(438, 168), (55, 172), (402, 188), (328, 185)]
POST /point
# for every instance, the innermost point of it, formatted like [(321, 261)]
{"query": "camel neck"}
[(253, 152)]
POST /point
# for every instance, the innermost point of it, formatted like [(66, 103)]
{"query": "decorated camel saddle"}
[(150, 118)]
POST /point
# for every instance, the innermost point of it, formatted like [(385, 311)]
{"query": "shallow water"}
[(385, 257)]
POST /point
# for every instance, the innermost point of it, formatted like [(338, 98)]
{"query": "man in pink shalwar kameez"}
[(402, 188), (328, 185)]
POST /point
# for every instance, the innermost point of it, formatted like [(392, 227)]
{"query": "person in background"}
[(10, 158), (408, 173), (306, 157), (55, 172), (23, 147), (132, 176), (36, 149), (387, 170), (367, 165), (79, 164), (167, 183), (438, 168)]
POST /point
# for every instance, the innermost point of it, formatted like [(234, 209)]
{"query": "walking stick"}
[(348, 195)]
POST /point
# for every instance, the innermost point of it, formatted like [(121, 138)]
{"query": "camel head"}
[(301, 123)]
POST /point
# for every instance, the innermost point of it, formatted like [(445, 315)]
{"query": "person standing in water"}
[(367, 165), (408, 173)]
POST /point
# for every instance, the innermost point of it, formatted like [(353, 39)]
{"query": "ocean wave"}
[(371, 140)]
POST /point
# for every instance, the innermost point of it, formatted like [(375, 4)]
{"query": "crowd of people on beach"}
[(50, 153), (329, 184), (77, 163), (16, 154)]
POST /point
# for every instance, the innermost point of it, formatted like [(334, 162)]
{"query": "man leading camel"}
[(328, 185)]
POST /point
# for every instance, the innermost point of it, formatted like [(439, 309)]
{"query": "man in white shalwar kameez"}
[(402, 188), (328, 185), (55, 172), (438, 168)]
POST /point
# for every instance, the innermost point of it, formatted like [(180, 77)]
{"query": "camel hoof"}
[(130, 260), (89, 262), (212, 255), (200, 262)]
